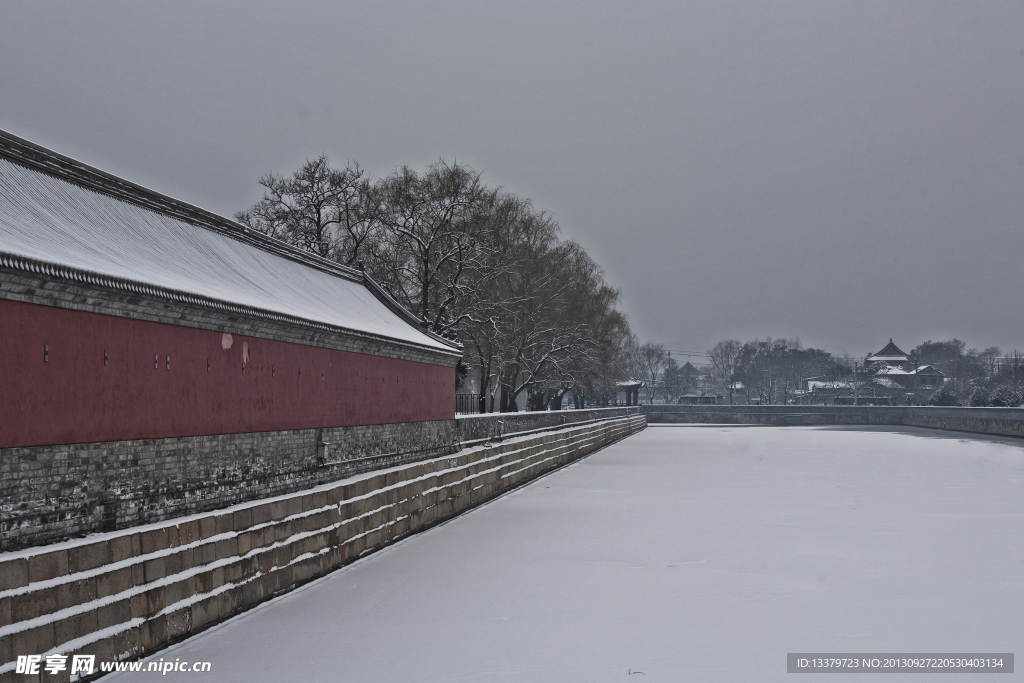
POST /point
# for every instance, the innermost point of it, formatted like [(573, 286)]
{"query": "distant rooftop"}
[(890, 352)]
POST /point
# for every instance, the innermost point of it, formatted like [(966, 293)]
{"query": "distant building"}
[(888, 377), (890, 355), (894, 370)]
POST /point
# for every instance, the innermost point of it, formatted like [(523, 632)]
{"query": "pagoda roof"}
[(889, 352)]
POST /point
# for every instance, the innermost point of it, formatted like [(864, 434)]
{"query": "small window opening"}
[(46, 353), (156, 362), (207, 364), (168, 362), (104, 356)]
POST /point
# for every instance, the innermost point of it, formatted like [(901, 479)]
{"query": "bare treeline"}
[(473, 263), (779, 370)]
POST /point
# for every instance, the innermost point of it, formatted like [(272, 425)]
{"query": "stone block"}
[(204, 554), (138, 574), (283, 531), (227, 547), (6, 612), (155, 569), (266, 560), (179, 623), (242, 519), (244, 541), (154, 540), (47, 565), (261, 514), (207, 527), (208, 581), (113, 614), (147, 604), (114, 582), (173, 541), (33, 641), (251, 593), (124, 547), (13, 573), (76, 592), (180, 590), (224, 523), (153, 633), (73, 627), (7, 655), (233, 572), (188, 532), (84, 557), (278, 510), (34, 604)]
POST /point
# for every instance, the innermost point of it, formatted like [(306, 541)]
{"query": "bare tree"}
[(653, 359), (330, 212), (436, 230), (722, 359)]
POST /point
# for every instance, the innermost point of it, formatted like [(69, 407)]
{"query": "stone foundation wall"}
[(994, 421), (122, 595), (51, 493)]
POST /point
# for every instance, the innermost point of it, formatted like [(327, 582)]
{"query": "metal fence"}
[(467, 404)]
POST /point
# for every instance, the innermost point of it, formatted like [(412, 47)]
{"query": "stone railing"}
[(121, 595), (995, 421), (475, 427)]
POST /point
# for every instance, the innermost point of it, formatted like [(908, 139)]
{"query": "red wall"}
[(74, 398)]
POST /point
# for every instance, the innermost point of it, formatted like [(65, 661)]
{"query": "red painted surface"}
[(72, 397)]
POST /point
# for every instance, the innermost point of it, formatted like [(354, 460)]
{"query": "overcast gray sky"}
[(838, 171)]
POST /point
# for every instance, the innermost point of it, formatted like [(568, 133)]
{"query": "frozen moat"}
[(698, 553)]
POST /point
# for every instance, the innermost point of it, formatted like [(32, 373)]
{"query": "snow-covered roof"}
[(45, 219), (890, 352)]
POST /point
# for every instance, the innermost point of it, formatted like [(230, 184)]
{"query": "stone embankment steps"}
[(124, 594)]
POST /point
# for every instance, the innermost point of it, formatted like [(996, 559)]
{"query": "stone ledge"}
[(992, 421)]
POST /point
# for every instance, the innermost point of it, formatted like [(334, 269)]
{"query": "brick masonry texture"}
[(51, 493), (122, 595), (992, 421)]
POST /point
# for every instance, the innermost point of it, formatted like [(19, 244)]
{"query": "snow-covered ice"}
[(701, 553)]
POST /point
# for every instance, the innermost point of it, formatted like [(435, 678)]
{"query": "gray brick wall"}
[(51, 493)]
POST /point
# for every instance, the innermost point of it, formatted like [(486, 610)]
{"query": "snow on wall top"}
[(48, 219)]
